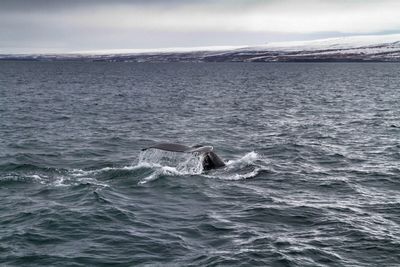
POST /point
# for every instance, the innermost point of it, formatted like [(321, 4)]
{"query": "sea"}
[(312, 175)]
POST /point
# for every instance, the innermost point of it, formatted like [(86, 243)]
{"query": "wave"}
[(159, 161), (9, 167), (237, 176), (161, 171), (248, 159), (67, 180), (152, 165), (53, 178), (246, 167)]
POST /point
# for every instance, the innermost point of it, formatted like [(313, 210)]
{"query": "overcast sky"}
[(79, 25)]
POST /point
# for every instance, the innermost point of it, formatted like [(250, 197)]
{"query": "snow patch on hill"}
[(330, 43)]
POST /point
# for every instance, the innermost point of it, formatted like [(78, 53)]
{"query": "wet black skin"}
[(212, 161)]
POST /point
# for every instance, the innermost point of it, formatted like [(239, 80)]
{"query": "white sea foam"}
[(37, 178), (177, 164), (84, 173), (161, 171), (161, 163), (247, 159), (59, 180), (169, 163), (240, 169), (165, 163), (231, 176), (73, 178)]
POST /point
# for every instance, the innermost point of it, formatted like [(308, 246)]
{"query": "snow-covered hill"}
[(353, 48), (332, 43), (384, 48)]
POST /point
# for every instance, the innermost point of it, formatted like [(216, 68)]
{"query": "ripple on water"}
[(311, 176)]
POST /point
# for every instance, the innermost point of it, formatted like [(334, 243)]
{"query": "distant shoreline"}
[(369, 48), (87, 60)]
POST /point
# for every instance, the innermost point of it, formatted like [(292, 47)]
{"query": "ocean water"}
[(312, 175)]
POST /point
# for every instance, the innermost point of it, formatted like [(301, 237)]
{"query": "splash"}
[(152, 165), (165, 163), (243, 168), (169, 163), (184, 163), (246, 160)]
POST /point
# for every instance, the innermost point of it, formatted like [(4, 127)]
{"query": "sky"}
[(59, 26)]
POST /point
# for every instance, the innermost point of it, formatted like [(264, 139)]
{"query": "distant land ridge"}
[(368, 48)]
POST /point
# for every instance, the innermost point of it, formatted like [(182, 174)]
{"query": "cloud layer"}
[(44, 25)]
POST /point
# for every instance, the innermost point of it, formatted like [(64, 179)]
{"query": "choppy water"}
[(312, 177)]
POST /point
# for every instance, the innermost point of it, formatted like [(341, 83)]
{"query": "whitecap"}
[(229, 176), (246, 160), (177, 164), (164, 170)]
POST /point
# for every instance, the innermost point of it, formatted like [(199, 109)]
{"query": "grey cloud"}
[(27, 5), (104, 24)]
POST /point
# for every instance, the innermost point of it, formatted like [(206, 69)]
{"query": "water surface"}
[(312, 178)]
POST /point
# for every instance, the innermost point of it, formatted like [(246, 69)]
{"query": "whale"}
[(210, 159)]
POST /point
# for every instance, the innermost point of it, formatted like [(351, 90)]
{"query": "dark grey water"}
[(312, 178)]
